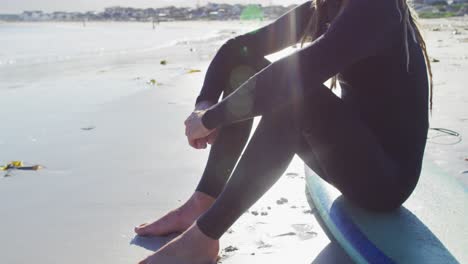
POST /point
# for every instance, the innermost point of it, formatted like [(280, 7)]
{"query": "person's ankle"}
[(202, 200)]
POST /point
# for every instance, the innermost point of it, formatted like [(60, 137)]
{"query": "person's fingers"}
[(192, 143), (201, 143)]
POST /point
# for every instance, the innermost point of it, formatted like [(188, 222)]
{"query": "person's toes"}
[(159, 228), (142, 229)]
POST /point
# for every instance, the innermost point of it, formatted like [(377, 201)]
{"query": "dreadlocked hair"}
[(407, 16)]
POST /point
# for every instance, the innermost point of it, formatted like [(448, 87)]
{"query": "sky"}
[(18, 6)]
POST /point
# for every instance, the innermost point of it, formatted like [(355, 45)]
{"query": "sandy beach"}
[(99, 111)]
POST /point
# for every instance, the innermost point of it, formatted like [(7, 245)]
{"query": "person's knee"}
[(285, 127), (241, 73)]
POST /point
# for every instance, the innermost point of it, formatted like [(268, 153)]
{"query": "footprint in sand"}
[(304, 231)]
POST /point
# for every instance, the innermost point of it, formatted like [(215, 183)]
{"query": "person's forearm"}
[(228, 56)]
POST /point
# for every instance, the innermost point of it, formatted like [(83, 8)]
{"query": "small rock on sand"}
[(89, 128), (292, 174), (287, 234), (230, 249), (282, 201), (262, 244)]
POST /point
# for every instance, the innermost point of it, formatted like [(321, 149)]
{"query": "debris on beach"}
[(307, 212), (261, 244), (152, 82), (282, 201), (464, 172), (305, 231), (193, 71), (435, 60), (18, 165), (292, 174), (89, 128), (230, 249), (254, 213), (466, 159), (163, 62), (264, 213), (286, 234)]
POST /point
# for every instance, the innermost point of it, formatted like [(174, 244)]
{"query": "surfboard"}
[(430, 227)]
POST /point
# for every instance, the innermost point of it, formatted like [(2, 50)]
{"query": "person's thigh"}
[(342, 149)]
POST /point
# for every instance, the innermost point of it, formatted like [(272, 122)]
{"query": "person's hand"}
[(202, 143), (197, 134)]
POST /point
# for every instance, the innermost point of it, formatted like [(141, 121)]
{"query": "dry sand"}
[(134, 164), (447, 41)]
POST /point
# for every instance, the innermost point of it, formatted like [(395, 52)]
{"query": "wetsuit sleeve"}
[(251, 48), (364, 28)]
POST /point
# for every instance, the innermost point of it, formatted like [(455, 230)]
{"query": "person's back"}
[(392, 99)]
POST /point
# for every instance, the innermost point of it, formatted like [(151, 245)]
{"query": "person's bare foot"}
[(178, 220), (191, 247)]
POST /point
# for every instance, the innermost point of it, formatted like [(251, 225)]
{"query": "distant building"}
[(211, 11), (8, 17), (32, 15)]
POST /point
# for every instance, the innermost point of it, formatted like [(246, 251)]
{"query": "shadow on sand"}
[(152, 243), (332, 253)]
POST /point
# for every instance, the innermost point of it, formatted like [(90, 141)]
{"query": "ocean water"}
[(32, 54), (36, 43)]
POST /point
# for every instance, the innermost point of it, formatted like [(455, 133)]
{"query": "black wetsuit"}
[(369, 143)]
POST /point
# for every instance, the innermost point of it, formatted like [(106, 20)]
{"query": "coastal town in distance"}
[(212, 11)]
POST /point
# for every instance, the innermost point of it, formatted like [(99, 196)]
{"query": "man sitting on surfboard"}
[(369, 143)]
